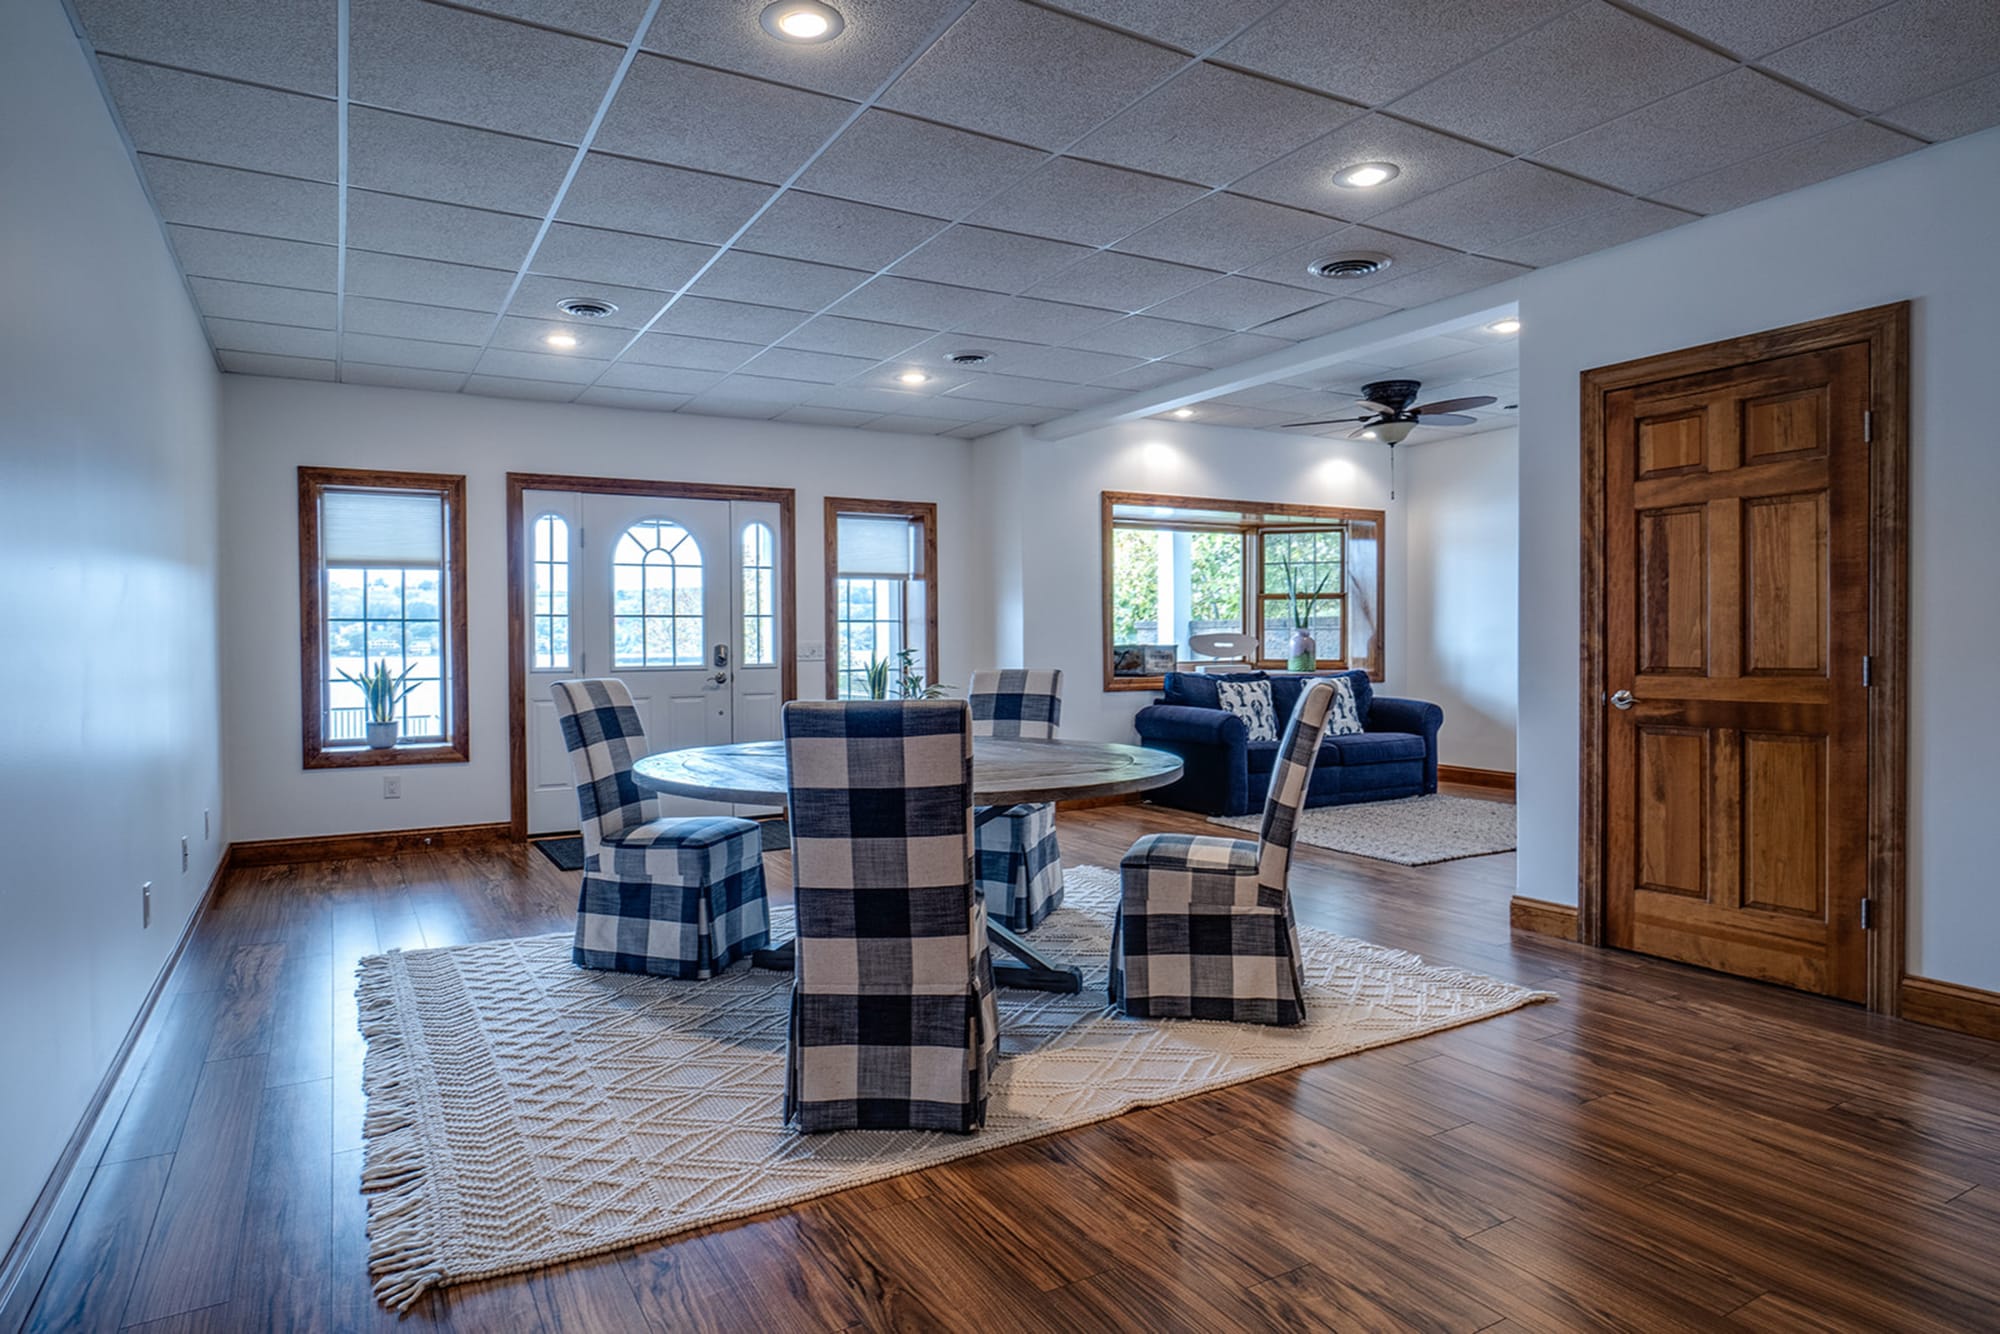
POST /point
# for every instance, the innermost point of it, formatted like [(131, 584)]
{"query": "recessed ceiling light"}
[(1367, 175), (803, 21), (564, 341), (1183, 413), (913, 377), (1510, 325)]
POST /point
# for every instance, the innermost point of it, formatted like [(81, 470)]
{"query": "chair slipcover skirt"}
[(1020, 861)]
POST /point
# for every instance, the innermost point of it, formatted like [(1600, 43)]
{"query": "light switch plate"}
[(812, 652)]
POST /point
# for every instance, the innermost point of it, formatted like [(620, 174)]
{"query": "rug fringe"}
[(403, 1254)]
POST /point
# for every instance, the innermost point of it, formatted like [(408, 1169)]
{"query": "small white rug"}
[(1415, 831), (523, 1112)]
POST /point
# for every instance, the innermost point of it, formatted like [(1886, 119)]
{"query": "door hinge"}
[(1867, 914), (579, 537), (1868, 670), (1867, 428)]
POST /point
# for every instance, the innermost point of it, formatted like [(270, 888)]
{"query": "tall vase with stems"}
[(1304, 648)]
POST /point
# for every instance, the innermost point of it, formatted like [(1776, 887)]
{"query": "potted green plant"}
[(1304, 648), (907, 681), (382, 693)]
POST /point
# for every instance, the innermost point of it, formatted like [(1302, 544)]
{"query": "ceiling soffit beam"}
[(1386, 334)]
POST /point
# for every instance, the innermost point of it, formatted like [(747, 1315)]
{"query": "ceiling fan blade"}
[(1447, 419), (1455, 404), (1372, 406), (1330, 421), (1358, 434)]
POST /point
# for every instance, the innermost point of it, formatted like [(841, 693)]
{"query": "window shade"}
[(381, 528), (874, 546)]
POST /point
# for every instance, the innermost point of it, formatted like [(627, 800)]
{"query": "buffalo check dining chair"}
[(1020, 861)]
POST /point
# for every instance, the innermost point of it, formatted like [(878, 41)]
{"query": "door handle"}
[(720, 678), (1622, 699)]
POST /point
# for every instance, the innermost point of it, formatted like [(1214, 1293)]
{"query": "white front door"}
[(675, 597)]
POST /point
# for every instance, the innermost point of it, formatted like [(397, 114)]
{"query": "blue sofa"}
[(1227, 773)]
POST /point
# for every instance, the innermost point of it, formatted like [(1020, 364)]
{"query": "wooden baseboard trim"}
[(1498, 779), (382, 843), (1950, 1005), (1542, 917), (26, 1263), (1093, 803)]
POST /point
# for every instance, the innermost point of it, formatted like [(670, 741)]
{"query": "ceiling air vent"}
[(585, 307), (1354, 264), (967, 358)]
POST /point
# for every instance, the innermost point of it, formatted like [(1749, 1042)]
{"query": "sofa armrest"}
[(1417, 718), (1179, 722), (1214, 747)]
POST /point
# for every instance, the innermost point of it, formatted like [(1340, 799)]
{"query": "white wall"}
[(1462, 547), (1920, 227), (108, 740), (271, 427)]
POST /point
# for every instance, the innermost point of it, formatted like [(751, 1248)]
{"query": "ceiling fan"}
[(1390, 417)]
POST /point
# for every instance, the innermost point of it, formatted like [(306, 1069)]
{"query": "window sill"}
[(364, 757)]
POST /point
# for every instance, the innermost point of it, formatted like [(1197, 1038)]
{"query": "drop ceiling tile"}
[(1971, 106), (1211, 125), (1467, 273), (400, 377), (858, 398), (1442, 374), (994, 261), (943, 378), (540, 366), (426, 281), (244, 201), (1897, 53), (826, 230), (1227, 232), (1144, 336), (718, 405), (281, 43), (1017, 415), (922, 305), (1030, 321), (1148, 375), (1033, 393), (871, 163), (183, 115), (1231, 350), (537, 296), (253, 259), (1710, 125), (402, 155), (695, 354), (290, 368), (591, 254), (1497, 206), (604, 397), (1236, 303), (791, 363), (1252, 419), (1115, 281), (1752, 30), (448, 64), (845, 417), (414, 353), (1625, 221), (1189, 25), (766, 280), (500, 386), (1371, 52), (858, 338), (763, 389), (1850, 148), (515, 334), (611, 20), (421, 229), (644, 197), (1027, 74), (954, 407), (879, 36), (660, 379), (1405, 256), (1584, 68), (222, 299), (733, 321), (916, 425), (1032, 361), (1289, 399), (1429, 161), (1343, 313), (404, 319), (687, 116), (1083, 202), (278, 339)]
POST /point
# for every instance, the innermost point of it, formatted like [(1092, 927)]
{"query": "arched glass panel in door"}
[(551, 593), (760, 618), (656, 609)]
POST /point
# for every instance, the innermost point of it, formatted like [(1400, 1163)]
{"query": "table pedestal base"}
[(1030, 971)]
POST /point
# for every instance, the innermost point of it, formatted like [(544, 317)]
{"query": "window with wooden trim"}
[(881, 593), (551, 582), (760, 603), (382, 605)]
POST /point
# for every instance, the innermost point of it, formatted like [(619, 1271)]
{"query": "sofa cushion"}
[(1286, 687), (1250, 701), (1197, 690), (1358, 748)]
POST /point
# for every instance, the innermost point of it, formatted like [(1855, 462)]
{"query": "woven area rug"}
[(522, 1112), (1415, 831)]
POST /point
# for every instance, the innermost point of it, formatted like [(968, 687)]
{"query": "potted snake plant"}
[(382, 693)]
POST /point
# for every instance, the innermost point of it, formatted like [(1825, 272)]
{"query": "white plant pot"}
[(382, 736)]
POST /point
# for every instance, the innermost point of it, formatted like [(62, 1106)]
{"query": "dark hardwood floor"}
[(1662, 1149)]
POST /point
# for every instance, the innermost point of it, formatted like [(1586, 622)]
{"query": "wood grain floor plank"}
[(105, 1242), (151, 1121)]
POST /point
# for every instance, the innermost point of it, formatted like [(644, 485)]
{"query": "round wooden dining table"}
[(1005, 772)]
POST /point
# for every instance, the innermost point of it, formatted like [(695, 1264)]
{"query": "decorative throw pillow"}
[(1344, 718), (1251, 701)]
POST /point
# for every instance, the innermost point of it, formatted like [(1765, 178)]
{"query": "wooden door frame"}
[(1886, 331), (518, 486)]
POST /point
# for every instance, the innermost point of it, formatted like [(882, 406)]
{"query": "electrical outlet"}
[(146, 904), (184, 854), (392, 787)]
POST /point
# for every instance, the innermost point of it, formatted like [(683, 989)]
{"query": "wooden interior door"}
[(1736, 641)]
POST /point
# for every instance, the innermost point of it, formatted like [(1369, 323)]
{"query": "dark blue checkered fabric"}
[(893, 1021), (671, 897), (1020, 861), (1204, 927)]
